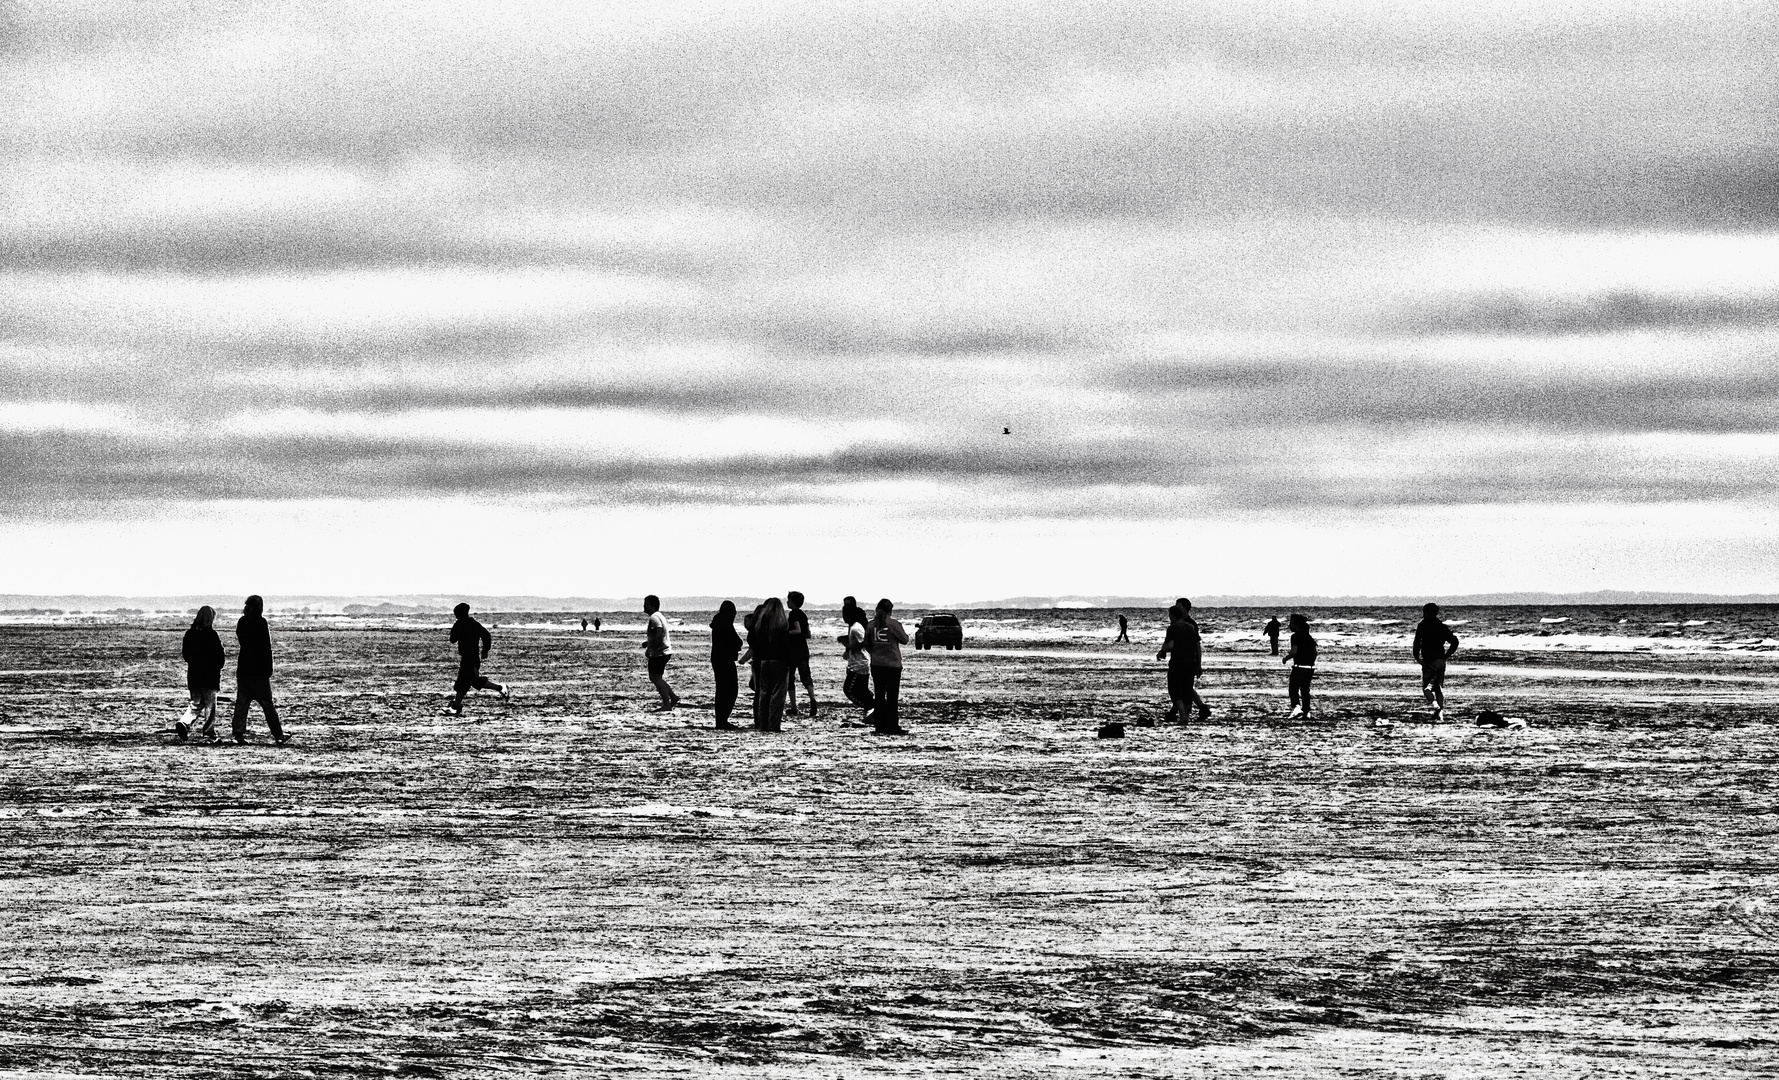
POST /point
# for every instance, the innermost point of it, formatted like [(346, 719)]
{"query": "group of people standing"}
[(775, 650)]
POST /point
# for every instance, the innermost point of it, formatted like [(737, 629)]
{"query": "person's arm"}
[(1417, 647), (1451, 647), (896, 631), (487, 642), (456, 632), (656, 633), (1167, 644), (1291, 653)]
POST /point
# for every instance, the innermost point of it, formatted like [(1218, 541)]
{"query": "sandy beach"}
[(581, 885)]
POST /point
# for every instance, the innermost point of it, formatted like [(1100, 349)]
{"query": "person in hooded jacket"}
[(253, 671), (204, 658), (725, 652)]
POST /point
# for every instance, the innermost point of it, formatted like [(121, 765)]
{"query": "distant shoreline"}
[(26, 605)]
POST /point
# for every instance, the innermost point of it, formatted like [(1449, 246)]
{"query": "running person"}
[(473, 642), (202, 651), (659, 650), (1434, 645), (1183, 649), (1302, 659), (253, 672), (799, 631)]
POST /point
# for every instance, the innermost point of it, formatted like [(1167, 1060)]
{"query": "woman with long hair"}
[(770, 643), (204, 658), (725, 648), (1302, 659), (887, 638)]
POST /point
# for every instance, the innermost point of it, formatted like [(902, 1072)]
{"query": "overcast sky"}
[(703, 298)]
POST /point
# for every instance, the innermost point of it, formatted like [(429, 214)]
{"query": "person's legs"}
[(886, 683), (238, 722), (1197, 702), (207, 709), (658, 676), (1300, 690), (808, 684), (728, 684), (1294, 688), (775, 679), (1433, 685), (271, 711)]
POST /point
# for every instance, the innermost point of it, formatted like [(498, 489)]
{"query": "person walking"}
[(769, 645), (725, 652), (887, 638), (1302, 659), (1271, 630), (204, 658), (659, 650), (253, 672), (473, 642), (799, 653), (1183, 649), (1123, 629), (1434, 645)]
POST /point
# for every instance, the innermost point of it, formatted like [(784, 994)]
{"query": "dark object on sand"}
[(1113, 730), (1144, 721), (181, 732), (939, 629), (1490, 718)]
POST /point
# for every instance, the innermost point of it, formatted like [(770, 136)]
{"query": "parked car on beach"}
[(939, 628)]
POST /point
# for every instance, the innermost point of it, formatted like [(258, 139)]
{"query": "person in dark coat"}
[(204, 659), (1302, 659), (473, 642), (725, 650), (253, 671), (1271, 630), (769, 644), (1183, 649)]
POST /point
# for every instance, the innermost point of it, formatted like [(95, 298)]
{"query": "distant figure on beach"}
[(1272, 633), (583, 626), (857, 687), (1434, 645), (1123, 629), (887, 638), (253, 671), (725, 651), (202, 651), (769, 644), (799, 652), (659, 650), (1302, 658), (596, 624), (1183, 649), (473, 642)]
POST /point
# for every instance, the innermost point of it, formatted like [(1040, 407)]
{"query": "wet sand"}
[(577, 884)]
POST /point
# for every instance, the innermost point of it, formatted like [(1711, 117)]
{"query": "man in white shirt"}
[(657, 648)]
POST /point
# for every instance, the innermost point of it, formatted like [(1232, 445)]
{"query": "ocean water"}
[(1679, 628)]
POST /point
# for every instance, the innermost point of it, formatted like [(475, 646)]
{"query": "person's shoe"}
[(282, 740), (724, 725), (812, 710), (506, 695), (240, 740), (181, 732), (1204, 713), (792, 710), (1295, 713)]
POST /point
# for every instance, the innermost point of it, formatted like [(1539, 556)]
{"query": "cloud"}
[(1514, 313)]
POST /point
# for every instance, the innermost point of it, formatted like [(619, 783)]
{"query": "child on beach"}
[(857, 687), (1302, 658)]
